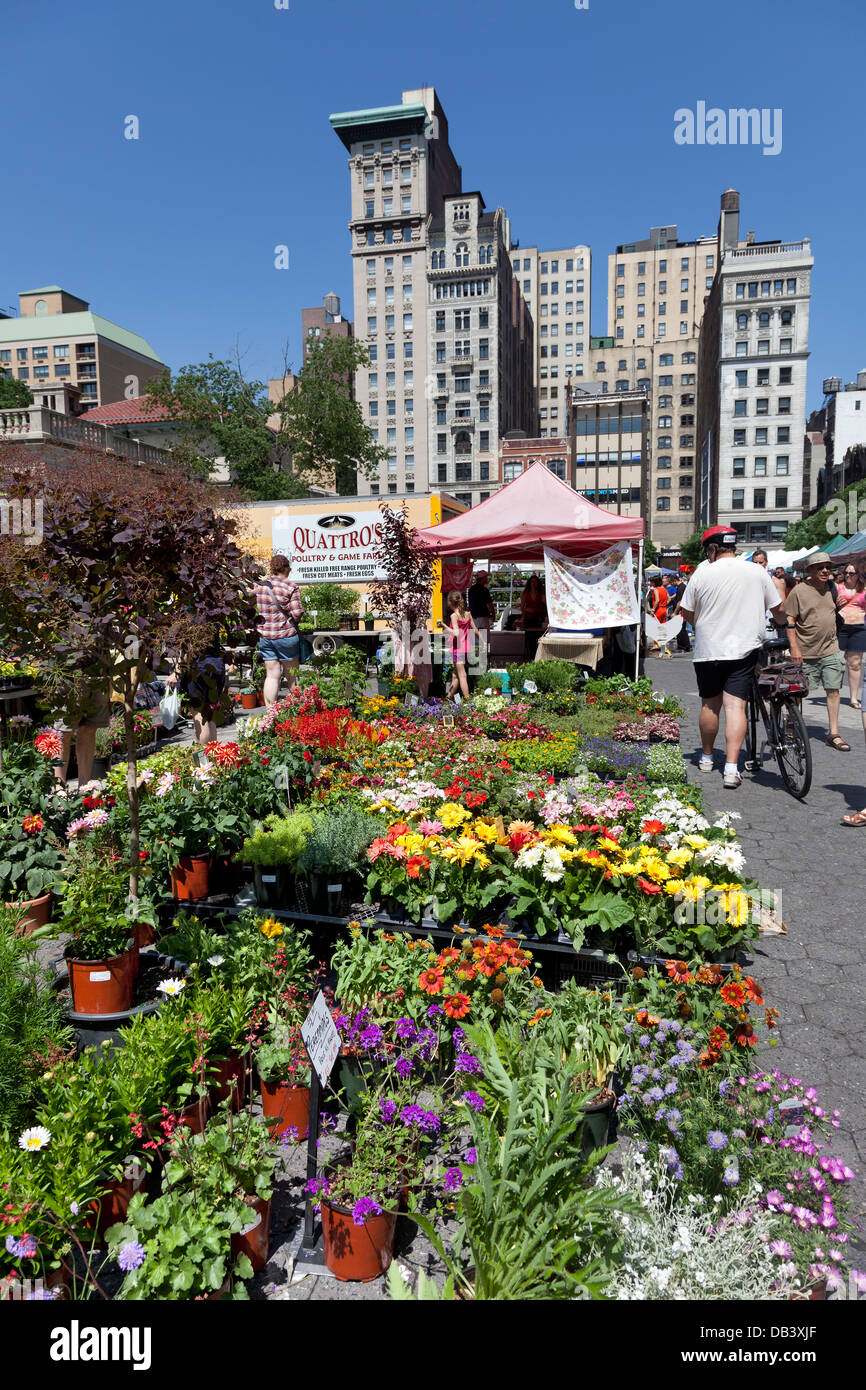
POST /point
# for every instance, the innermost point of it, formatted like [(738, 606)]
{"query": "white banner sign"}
[(338, 546), (591, 593), (321, 1038)]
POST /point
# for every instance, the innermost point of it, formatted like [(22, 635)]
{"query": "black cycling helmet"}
[(719, 535)]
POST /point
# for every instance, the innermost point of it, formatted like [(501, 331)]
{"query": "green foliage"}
[(32, 1031), (548, 676), (691, 551), (829, 521), (338, 840), (329, 601), (187, 1243), (278, 843), (665, 763), (531, 1223), (14, 394)]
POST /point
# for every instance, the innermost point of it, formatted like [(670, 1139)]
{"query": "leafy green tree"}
[(840, 516), (691, 551), (650, 552), (14, 394), (320, 425)]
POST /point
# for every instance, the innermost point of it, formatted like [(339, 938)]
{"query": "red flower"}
[(31, 825), (653, 827), (678, 971), (415, 863), (432, 981), (48, 744), (718, 1038), (745, 1035), (223, 754), (733, 994), (396, 830), (447, 955), (754, 991), (647, 886), (456, 1005)]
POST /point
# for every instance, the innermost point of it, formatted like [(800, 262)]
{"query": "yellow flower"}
[(517, 826), (411, 842), (679, 858), (452, 815), (485, 831), (695, 887), (610, 846), (560, 835), (270, 928), (696, 841)]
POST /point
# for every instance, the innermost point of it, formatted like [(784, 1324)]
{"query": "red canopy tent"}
[(536, 510), (519, 520)]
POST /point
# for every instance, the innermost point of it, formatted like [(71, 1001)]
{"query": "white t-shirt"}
[(729, 599)]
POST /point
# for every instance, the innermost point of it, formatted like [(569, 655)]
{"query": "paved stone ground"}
[(815, 974)]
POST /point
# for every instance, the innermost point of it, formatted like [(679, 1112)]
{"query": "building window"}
[(785, 344), (760, 436), (781, 497), (740, 407), (741, 378), (783, 432), (759, 498), (738, 468), (781, 464), (663, 504), (760, 466), (371, 325), (762, 405), (784, 405), (739, 437), (510, 471), (738, 499), (663, 482)]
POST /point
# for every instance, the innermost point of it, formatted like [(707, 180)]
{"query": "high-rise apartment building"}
[(57, 342), (835, 441), (753, 355), (407, 207), (656, 293), (556, 288), (479, 346), (325, 320)]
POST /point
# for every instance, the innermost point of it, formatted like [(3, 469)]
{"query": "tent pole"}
[(639, 632)]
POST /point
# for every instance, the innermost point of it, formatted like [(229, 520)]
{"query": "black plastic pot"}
[(332, 895), (595, 1128), (274, 887)]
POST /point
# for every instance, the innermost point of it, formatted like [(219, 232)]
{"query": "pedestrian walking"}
[(811, 609), (726, 601), (279, 610), (851, 608), (460, 624)]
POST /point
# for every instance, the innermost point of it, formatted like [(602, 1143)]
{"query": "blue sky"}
[(565, 117)]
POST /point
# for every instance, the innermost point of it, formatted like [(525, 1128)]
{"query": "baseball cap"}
[(814, 561)]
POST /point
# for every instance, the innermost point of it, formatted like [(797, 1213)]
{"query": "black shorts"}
[(726, 677)]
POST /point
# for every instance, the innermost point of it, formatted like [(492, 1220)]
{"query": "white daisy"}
[(172, 987), (216, 960), (34, 1139)]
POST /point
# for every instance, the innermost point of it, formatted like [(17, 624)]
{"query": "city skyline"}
[(175, 233)]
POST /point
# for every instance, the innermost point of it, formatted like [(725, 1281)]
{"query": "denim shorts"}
[(279, 648)]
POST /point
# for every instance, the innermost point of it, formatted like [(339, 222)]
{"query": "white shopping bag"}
[(170, 706)]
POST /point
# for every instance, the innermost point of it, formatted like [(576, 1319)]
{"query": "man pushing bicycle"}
[(726, 600)]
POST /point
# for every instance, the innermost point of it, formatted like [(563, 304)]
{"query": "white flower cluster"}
[(679, 1250), (552, 867)]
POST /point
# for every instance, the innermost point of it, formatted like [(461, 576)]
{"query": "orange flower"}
[(709, 975), (487, 967), (647, 886), (538, 982), (709, 1058), (653, 827), (456, 1005), (645, 1018), (496, 996), (754, 991), (538, 1016), (415, 863), (447, 955), (466, 972), (733, 994), (745, 1035), (679, 972), (432, 981), (718, 1038), (494, 931)]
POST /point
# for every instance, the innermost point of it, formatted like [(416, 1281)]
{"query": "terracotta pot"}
[(255, 1239), (288, 1104), (194, 1116), (190, 881), (143, 934), (229, 1077), (250, 701), (114, 1202), (357, 1253), (37, 910), (103, 986)]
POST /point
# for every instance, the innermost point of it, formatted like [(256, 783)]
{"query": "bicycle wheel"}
[(793, 751)]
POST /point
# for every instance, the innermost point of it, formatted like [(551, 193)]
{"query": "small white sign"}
[(321, 1038), (98, 977)]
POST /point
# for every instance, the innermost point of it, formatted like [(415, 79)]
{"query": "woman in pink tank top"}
[(461, 624)]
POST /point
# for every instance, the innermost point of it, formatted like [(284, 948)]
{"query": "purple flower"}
[(644, 1040), (317, 1186), (387, 1109), (290, 1136), (472, 1098), (405, 1029), (411, 1115), (453, 1179), (23, 1249), (717, 1140), (470, 1156), (435, 1009), (655, 1093), (131, 1256), (731, 1176), (371, 1037), (363, 1208), (403, 1066), (464, 1061), (458, 1035), (782, 1249)]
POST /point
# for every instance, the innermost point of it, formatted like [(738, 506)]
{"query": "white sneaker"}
[(732, 780), (706, 765)]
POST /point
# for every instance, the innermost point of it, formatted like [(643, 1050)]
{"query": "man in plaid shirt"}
[(279, 608)]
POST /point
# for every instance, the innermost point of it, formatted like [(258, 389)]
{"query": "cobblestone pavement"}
[(815, 974)]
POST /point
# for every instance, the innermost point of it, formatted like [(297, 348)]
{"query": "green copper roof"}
[(48, 289), (49, 327), (351, 125)]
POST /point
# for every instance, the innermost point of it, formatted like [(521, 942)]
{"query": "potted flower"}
[(188, 823), (178, 1247), (274, 849), (31, 823), (250, 697), (282, 1064), (102, 961)]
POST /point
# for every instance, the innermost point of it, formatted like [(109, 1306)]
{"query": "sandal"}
[(858, 818), (838, 742), (855, 704)]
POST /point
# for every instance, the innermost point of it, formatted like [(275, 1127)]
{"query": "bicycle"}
[(776, 695)]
